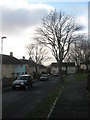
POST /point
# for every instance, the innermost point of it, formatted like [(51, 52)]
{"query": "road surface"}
[(18, 103)]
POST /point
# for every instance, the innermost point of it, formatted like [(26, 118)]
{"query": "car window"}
[(44, 75), (23, 78)]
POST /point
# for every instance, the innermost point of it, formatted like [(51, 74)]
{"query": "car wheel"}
[(26, 87)]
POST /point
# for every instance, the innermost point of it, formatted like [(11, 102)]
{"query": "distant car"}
[(55, 74), (23, 81), (44, 77)]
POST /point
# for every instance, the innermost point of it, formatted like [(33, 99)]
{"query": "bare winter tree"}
[(75, 54), (58, 31), (80, 53), (85, 48), (38, 53)]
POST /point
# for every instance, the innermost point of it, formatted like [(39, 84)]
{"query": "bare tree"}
[(38, 53), (85, 48), (79, 53), (58, 31), (75, 54)]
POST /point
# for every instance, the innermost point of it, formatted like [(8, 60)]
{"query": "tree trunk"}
[(60, 72), (36, 72), (86, 67), (78, 68)]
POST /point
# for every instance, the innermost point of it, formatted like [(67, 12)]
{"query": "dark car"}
[(23, 81), (44, 77)]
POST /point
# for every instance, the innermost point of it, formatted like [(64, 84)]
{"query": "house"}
[(11, 66), (42, 69), (30, 65), (71, 67), (54, 68), (66, 68)]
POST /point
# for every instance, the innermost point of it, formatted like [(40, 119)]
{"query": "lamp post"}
[(1, 56), (1, 75)]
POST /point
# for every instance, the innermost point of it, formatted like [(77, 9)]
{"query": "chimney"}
[(23, 57), (11, 54), (30, 58)]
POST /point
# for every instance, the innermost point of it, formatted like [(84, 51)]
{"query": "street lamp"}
[(1, 74), (1, 56), (2, 43)]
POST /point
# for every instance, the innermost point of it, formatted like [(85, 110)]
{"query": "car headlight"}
[(22, 83)]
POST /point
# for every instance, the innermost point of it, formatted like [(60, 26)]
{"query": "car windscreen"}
[(23, 78), (44, 75)]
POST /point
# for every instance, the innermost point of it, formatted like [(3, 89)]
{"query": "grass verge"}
[(80, 76), (42, 109), (88, 95)]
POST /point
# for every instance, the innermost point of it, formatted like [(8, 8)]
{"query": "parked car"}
[(55, 74), (23, 81), (44, 77)]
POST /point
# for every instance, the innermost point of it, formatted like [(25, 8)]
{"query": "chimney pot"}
[(23, 57), (11, 54)]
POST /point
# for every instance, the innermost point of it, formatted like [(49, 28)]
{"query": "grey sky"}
[(21, 18)]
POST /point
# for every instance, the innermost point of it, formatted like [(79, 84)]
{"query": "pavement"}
[(72, 102)]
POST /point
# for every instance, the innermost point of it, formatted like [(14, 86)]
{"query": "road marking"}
[(53, 106)]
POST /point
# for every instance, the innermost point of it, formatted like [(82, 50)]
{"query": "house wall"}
[(8, 70), (54, 70), (31, 70), (20, 69), (11, 71), (71, 69), (42, 70), (27, 68)]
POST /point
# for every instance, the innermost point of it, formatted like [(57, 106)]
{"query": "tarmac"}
[(72, 102)]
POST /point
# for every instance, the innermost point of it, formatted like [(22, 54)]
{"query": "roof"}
[(64, 64), (31, 63), (41, 66), (7, 59), (88, 62)]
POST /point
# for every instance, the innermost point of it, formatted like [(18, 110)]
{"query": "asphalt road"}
[(18, 103)]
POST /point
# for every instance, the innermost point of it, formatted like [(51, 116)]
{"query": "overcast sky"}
[(20, 18)]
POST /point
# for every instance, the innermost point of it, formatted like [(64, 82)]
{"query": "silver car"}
[(44, 77), (23, 81)]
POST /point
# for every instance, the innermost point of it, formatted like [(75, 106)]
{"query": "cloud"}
[(83, 20), (18, 18)]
